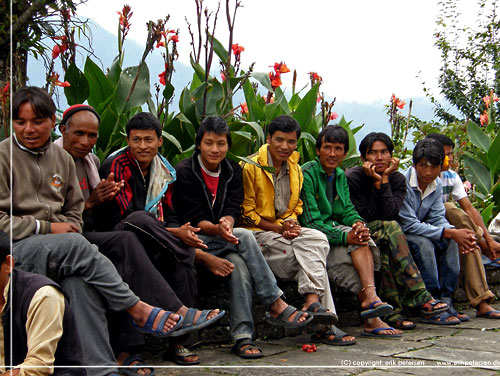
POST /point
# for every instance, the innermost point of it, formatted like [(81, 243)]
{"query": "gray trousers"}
[(90, 282)]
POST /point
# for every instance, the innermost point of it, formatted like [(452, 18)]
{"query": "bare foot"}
[(279, 306), (368, 297), (375, 323), (217, 265), (120, 358)]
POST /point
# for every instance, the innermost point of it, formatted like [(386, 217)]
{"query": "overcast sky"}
[(365, 50)]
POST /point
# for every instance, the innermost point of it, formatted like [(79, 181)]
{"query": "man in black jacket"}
[(208, 193), (377, 191)]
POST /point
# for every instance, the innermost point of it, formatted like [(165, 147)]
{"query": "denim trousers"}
[(438, 262), (251, 273)]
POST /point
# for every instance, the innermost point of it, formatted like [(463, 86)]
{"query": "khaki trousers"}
[(302, 259), (474, 276)]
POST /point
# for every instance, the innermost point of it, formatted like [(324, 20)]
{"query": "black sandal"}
[(179, 354), (244, 344)]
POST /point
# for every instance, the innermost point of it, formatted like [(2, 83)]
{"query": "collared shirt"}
[(414, 184), (281, 187), (44, 327)]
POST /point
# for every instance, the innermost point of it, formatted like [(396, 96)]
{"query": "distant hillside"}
[(105, 47)]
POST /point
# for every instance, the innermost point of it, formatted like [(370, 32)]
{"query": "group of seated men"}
[(120, 242)]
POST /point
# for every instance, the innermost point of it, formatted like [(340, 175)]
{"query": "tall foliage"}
[(120, 92)]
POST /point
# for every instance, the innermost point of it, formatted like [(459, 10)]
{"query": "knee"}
[(392, 227), (421, 245)]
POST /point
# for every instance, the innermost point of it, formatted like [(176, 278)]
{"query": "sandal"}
[(158, 332), (376, 333), (321, 315), (244, 344), (439, 319), (489, 315), (282, 319), (129, 369), (397, 322), (188, 325), (179, 354), (338, 334), (430, 307), (378, 311)]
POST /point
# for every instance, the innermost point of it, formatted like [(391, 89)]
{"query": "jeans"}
[(250, 273), (438, 262)]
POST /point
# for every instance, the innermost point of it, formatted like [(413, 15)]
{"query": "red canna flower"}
[(334, 116), (244, 108), (160, 44), (66, 13), (222, 76), (174, 38), (397, 102), (6, 88), (55, 81), (484, 119), (237, 49), (315, 77), (125, 16), (275, 80), (163, 77), (486, 100), (281, 68), (56, 51)]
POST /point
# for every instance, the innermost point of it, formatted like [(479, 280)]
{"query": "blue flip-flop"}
[(488, 315), (493, 263), (440, 319), (376, 333), (378, 311), (202, 321), (158, 332)]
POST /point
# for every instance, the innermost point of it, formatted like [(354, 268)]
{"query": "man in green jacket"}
[(327, 207)]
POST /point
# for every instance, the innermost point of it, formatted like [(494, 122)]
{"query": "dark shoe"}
[(179, 354), (282, 319), (324, 337), (188, 326), (428, 308), (398, 322), (244, 344), (158, 332), (321, 315), (439, 319), (129, 369), (378, 311)]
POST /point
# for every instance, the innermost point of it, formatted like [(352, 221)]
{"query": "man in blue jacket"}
[(433, 242)]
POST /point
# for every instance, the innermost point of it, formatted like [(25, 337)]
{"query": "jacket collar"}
[(38, 151)]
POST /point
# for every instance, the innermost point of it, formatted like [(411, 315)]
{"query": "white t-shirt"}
[(452, 185)]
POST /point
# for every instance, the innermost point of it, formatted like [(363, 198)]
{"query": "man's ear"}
[(317, 152), (268, 139), (161, 140), (8, 264), (62, 128), (53, 120)]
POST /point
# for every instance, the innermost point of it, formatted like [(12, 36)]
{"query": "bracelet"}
[(368, 286)]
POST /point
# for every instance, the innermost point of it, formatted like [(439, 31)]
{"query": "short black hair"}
[(429, 149), (213, 124), (443, 139), (4, 246), (42, 104), (285, 124), (366, 143), (144, 121), (333, 133)]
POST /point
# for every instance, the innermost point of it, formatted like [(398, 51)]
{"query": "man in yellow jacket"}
[(270, 209)]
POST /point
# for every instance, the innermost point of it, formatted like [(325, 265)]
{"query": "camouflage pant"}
[(401, 283)]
